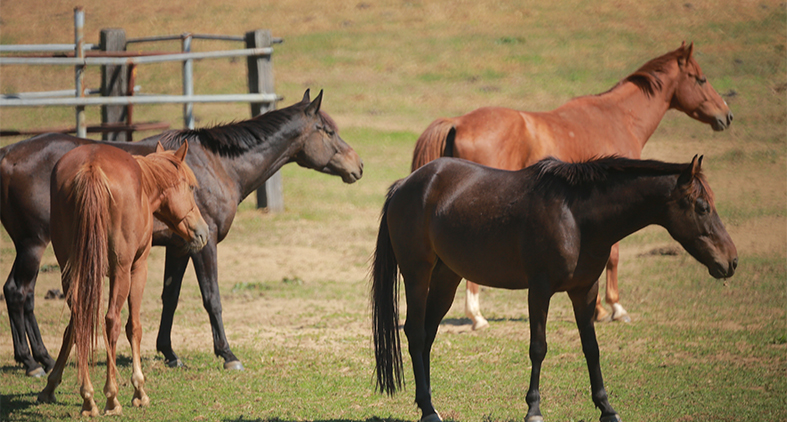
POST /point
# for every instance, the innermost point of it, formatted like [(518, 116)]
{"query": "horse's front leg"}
[(205, 265), (538, 298), (175, 263), (583, 301)]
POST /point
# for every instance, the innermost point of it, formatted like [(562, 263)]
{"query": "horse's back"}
[(474, 218)]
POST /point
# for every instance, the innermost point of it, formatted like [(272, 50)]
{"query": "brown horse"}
[(548, 228), (103, 203), (619, 121), (230, 162)]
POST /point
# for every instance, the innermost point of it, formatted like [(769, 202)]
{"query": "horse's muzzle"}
[(722, 122), (724, 271)]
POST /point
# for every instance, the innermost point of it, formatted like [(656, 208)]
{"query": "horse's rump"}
[(87, 263), (436, 141)]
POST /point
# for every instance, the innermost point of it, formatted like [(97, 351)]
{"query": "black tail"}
[(385, 308)]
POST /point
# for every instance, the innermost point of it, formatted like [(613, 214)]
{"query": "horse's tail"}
[(385, 308), (436, 141), (83, 275)]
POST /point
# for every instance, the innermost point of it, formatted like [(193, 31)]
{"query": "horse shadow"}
[(467, 321), (276, 419)]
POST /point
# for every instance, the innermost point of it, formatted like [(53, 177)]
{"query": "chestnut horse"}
[(103, 202), (618, 122), (230, 162), (547, 228)]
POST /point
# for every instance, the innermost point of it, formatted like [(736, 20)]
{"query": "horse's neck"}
[(252, 168), (151, 185), (642, 112), (620, 209)]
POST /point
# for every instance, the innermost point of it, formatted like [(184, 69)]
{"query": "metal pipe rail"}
[(120, 61), (139, 99)]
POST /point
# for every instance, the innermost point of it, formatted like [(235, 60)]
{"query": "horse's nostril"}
[(735, 263)]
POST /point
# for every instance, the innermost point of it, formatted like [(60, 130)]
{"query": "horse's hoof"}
[(143, 401), (622, 318), (45, 397), (177, 363), (535, 418), (434, 417), (619, 313), (610, 418), (480, 324), (234, 365), (117, 411), (36, 373)]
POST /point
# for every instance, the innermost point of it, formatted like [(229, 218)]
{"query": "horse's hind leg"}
[(134, 331), (473, 306), (47, 395), (118, 292), (613, 296), (19, 292), (442, 290), (416, 283)]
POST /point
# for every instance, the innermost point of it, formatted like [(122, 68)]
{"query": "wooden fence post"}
[(114, 83), (260, 75)]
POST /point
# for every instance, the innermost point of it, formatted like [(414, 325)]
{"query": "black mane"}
[(583, 174), (236, 138)]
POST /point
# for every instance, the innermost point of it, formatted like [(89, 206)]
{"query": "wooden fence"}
[(119, 93)]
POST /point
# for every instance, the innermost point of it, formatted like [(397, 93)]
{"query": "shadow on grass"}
[(17, 405), (372, 419), (467, 321)]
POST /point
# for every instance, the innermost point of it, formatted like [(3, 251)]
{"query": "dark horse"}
[(617, 122), (229, 161), (547, 228)]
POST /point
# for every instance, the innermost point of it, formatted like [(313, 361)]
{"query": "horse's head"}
[(692, 221), (695, 96), (321, 147), (178, 210)]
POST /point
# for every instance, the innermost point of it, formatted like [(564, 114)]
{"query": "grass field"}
[(294, 286)]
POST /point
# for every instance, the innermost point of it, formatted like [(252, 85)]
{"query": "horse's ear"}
[(687, 175), (306, 98), (181, 152), (314, 107), (696, 166), (159, 147), (685, 57)]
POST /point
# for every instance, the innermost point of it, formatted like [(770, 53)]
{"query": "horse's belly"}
[(484, 264)]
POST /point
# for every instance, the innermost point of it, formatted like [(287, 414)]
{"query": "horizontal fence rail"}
[(119, 93), (119, 61), (139, 99)]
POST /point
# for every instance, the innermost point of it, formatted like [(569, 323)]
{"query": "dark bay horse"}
[(229, 161), (547, 228), (617, 122), (103, 201)]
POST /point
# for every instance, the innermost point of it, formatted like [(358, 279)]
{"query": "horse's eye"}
[(702, 207), (701, 80)]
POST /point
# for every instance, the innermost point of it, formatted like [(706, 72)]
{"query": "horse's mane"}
[(235, 138), (163, 170), (647, 78), (551, 173)]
